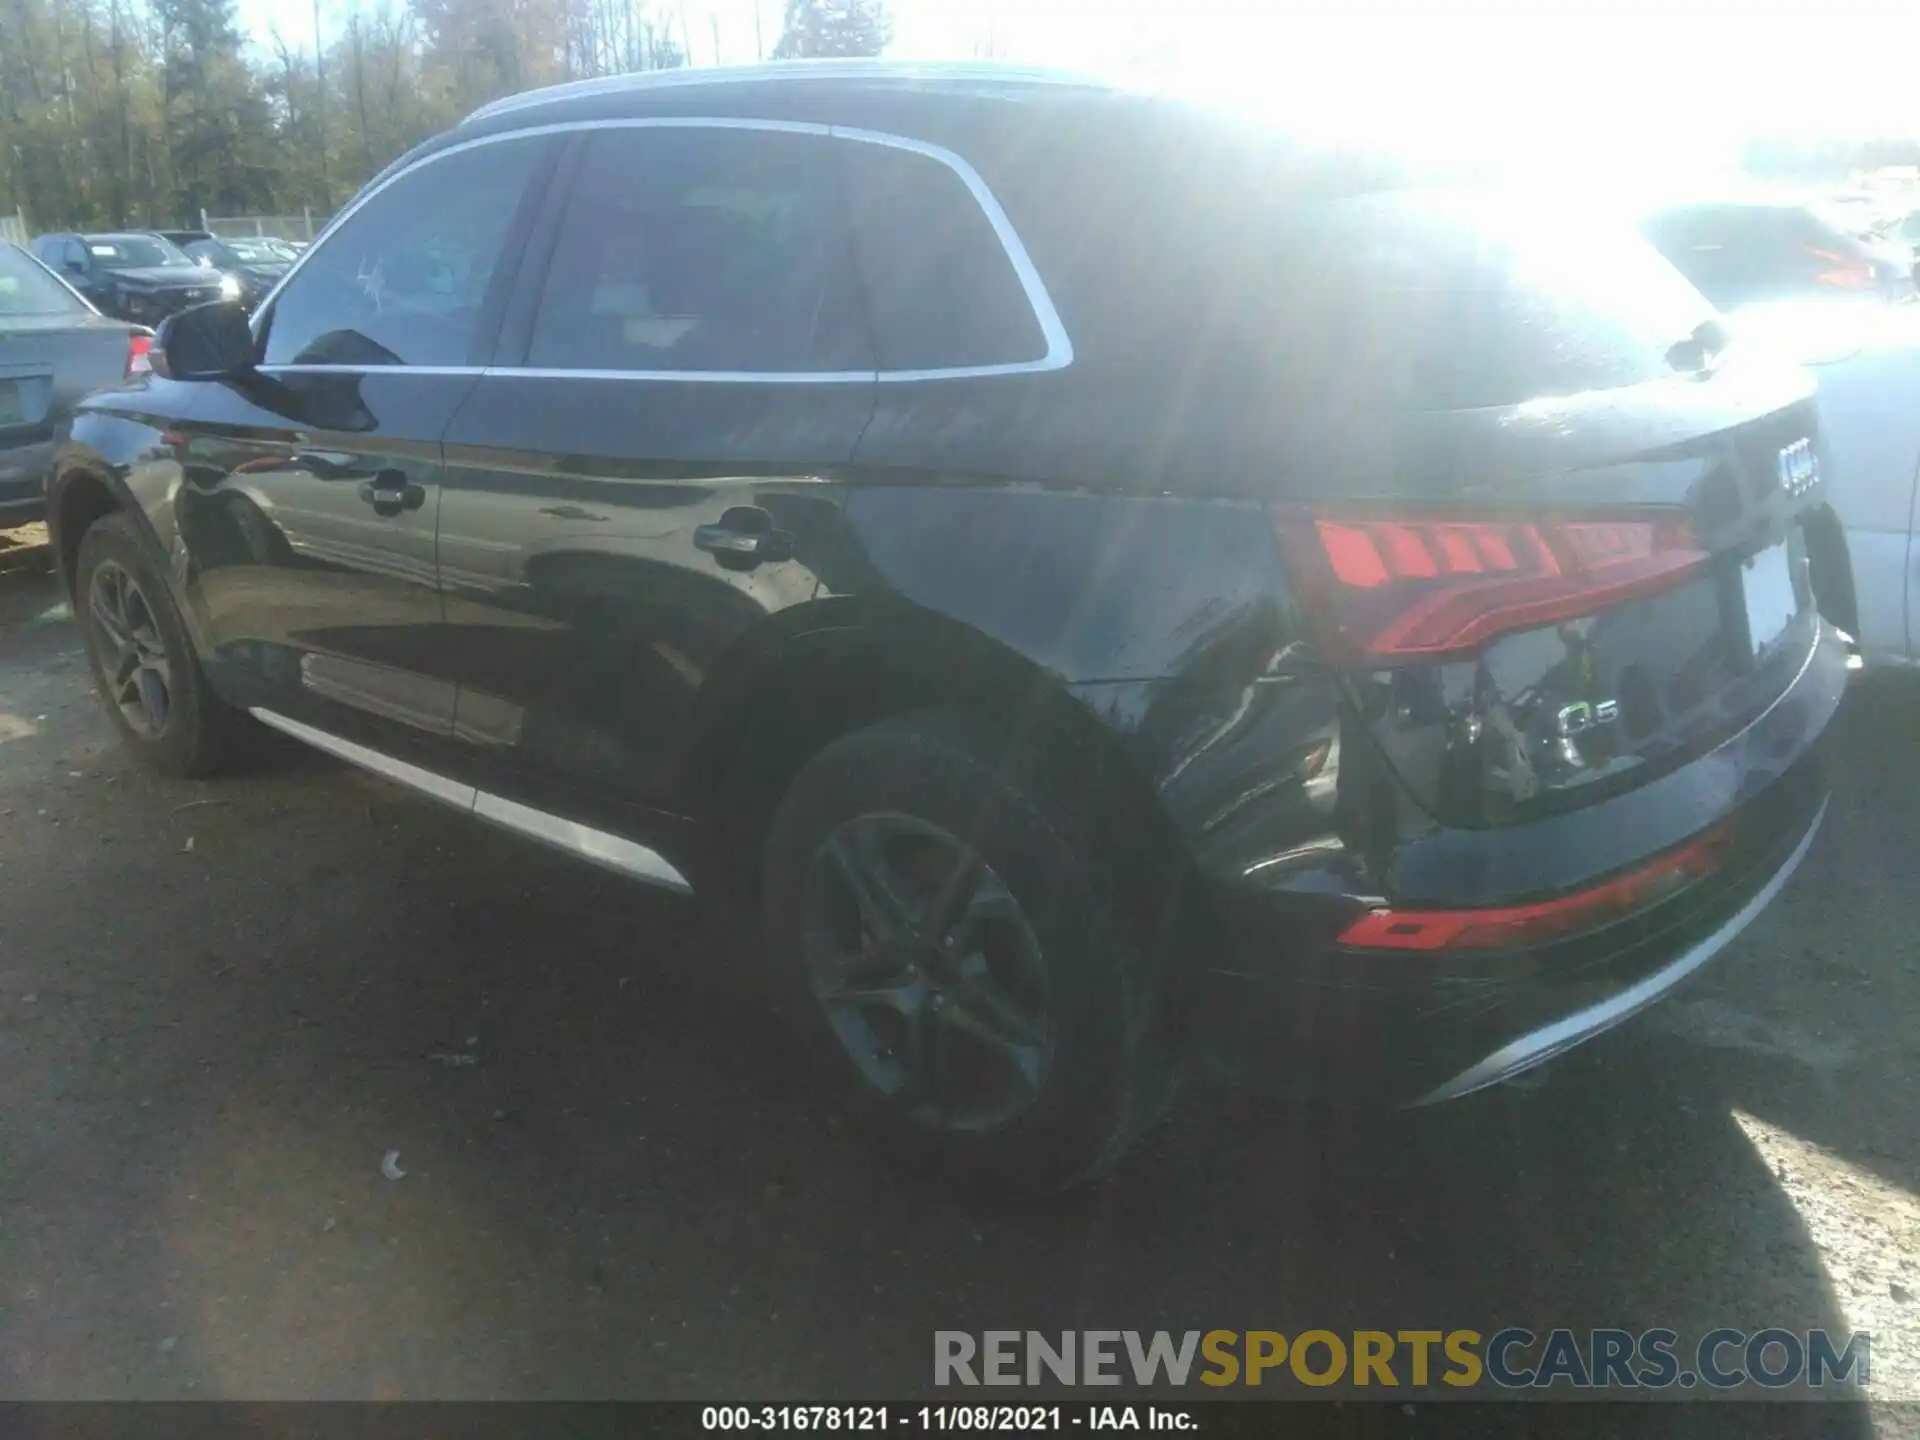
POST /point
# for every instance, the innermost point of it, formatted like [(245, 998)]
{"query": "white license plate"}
[(1767, 581)]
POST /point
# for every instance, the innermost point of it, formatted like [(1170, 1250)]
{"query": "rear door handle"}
[(390, 492), (743, 538)]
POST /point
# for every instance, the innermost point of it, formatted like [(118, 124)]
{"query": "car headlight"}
[(229, 288)]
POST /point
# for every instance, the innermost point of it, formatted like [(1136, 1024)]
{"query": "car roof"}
[(940, 103), (741, 81)]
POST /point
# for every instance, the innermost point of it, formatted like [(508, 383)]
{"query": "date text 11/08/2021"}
[(881, 1418)]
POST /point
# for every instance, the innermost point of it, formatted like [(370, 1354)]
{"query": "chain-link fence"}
[(303, 226)]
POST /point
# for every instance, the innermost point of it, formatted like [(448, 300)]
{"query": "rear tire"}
[(144, 665), (945, 932)]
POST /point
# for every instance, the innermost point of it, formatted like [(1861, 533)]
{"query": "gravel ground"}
[(222, 1006)]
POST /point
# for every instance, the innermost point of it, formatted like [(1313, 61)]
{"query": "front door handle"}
[(390, 492), (743, 538)]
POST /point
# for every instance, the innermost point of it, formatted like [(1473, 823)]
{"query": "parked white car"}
[(1787, 272), (1866, 357)]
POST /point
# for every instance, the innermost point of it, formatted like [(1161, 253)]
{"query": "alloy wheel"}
[(929, 972), (132, 655)]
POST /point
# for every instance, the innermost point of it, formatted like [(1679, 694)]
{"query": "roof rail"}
[(835, 69)]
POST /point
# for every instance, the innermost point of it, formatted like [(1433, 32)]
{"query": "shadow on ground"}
[(222, 1005)]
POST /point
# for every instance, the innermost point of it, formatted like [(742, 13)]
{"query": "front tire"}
[(946, 931), (143, 664)]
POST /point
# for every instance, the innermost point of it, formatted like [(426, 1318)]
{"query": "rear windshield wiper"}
[(1696, 354)]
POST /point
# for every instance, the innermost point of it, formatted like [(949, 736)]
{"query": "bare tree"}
[(320, 106)]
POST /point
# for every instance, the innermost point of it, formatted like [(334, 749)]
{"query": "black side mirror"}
[(208, 342)]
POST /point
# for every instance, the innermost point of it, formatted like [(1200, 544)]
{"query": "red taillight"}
[(137, 348), (1489, 929), (1387, 591), (1847, 274)]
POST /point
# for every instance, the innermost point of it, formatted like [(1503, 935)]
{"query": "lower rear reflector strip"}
[(1496, 928)]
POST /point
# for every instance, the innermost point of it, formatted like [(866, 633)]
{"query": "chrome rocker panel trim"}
[(597, 847)]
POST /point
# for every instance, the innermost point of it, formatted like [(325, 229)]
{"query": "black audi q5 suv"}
[(1098, 581)]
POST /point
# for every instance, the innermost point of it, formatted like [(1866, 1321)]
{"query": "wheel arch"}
[(90, 483), (838, 665), (81, 495)]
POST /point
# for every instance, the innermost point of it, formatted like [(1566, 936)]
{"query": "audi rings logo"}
[(1799, 469)]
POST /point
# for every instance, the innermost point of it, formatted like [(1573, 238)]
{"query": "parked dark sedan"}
[(54, 349), (1742, 251), (1102, 583), (133, 276), (257, 265)]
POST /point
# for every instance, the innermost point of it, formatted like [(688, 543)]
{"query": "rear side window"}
[(941, 289), (27, 289), (1462, 299), (701, 249), (404, 279)]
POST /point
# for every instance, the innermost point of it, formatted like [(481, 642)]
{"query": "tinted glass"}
[(1738, 254), (133, 252), (1460, 299), (404, 278), (245, 252), (941, 289), (701, 249), (27, 289)]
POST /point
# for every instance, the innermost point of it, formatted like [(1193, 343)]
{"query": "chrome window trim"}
[(371, 369), (715, 377), (1059, 346), (597, 847)]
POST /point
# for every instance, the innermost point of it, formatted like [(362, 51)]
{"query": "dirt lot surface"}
[(224, 1005)]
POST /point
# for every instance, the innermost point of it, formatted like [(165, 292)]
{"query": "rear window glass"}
[(27, 289), (1463, 299)]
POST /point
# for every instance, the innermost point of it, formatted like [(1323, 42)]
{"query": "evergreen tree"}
[(218, 126), (834, 27)]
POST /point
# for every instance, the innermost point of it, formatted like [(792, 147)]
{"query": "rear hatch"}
[(47, 363), (1561, 554)]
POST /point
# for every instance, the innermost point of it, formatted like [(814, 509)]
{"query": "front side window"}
[(240, 252), (940, 286), (701, 249), (405, 277)]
